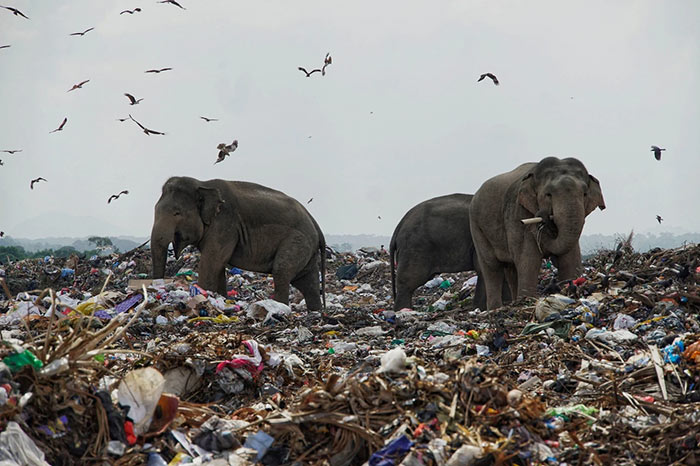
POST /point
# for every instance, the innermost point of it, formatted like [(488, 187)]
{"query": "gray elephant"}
[(244, 225), (433, 237), (562, 193)]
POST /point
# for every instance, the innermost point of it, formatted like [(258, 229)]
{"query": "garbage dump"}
[(102, 364)]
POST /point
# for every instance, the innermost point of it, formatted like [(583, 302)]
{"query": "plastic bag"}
[(140, 391), (393, 361), (17, 446)]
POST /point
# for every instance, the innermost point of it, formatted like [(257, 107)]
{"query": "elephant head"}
[(563, 193), (182, 215)]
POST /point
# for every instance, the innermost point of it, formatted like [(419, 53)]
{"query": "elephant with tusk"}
[(244, 225), (560, 193)]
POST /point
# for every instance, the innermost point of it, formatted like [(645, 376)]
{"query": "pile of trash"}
[(102, 364)]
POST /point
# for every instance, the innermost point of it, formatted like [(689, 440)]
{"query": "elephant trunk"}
[(569, 220), (160, 239)]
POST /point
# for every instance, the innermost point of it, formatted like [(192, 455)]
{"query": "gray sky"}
[(632, 68)]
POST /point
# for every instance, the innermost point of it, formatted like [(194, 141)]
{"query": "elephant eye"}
[(548, 194)]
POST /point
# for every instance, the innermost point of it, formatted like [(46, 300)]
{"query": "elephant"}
[(433, 237), (241, 224), (562, 193)]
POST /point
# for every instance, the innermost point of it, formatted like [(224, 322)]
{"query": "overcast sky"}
[(398, 118)]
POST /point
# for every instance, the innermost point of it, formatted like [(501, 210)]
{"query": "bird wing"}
[(142, 127), (151, 131), (481, 78), (314, 71), (131, 98), (111, 197), (165, 69), (176, 4), (304, 70), (86, 81), (124, 192), (88, 30), (15, 11), (63, 123), (5, 46), (654, 148), (125, 11)]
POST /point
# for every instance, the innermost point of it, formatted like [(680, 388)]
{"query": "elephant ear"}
[(595, 195), (527, 197), (209, 202)]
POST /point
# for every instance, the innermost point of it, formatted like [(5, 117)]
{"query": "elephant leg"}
[(212, 273), (493, 278), (510, 287), (489, 268), (222, 289), (212, 266), (287, 266), (309, 286), (479, 300), (569, 264), (409, 276), (527, 266)]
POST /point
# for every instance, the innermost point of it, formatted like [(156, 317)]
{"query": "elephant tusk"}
[(530, 221)]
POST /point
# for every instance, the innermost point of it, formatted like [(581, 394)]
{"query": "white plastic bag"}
[(140, 390)]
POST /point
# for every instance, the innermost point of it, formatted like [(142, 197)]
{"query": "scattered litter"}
[(99, 361)]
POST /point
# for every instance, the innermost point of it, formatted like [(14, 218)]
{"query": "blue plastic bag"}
[(392, 453)]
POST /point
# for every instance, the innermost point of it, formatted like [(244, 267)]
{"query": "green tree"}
[(102, 242), (13, 253)]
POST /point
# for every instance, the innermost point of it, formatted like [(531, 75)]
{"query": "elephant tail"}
[(392, 260), (322, 247)]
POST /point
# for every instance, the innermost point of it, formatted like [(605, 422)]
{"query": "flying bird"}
[(326, 61), (2, 233), (173, 2), (1, 163), (226, 149), (308, 73), (81, 33), (60, 128), (309, 201), (123, 119), (5, 46), (379, 217), (15, 11), (116, 196), (158, 70), (12, 151), (209, 119), (145, 130), (489, 75), (131, 12), (78, 86), (132, 99), (36, 180), (657, 152), (659, 219)]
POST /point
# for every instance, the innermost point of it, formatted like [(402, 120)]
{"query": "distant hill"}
[(641, 242), (345, 243), (124, 243)]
